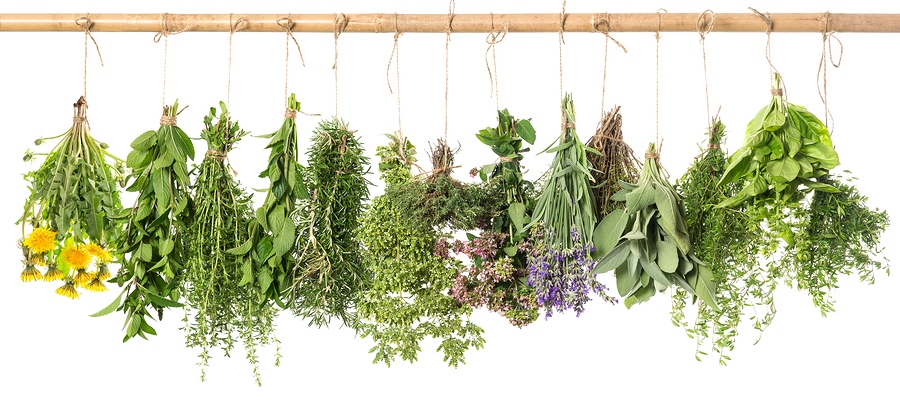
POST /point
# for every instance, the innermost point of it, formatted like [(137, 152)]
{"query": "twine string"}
[(562, 41), (450, 15), (235, 26), (163, 35), (395, 53), (86, 23), (340, 23), (601, 25), (287, 24), (704, 27), (768, 21), (659, 14), (494, 36), (822, 73)]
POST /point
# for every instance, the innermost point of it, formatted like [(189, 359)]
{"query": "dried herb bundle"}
[(329, 273), (73, 210), (614, 161), (154, 241), (223, 312), (266, 257), (729, 241), (497, 275), (838, 235), (648, 244), (560, 265), (408, 299)]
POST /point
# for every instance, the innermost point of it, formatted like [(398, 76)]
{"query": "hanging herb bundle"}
[(648, 244), (73, 211), (329, 273), (838, 235), (223, 311), (266, 257), (408, 299), (154, 248), (729, 241), (785, 147), (497, 275), (613, 161), (560, 264)]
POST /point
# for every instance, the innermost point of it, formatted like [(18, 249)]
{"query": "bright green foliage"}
[(648, 244), (729, 241), (223, 311), (267, 257), (329, 273), (838, 235), (408, 299), (155, 259)]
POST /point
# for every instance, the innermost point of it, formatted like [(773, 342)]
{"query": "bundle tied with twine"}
[(614, 161)]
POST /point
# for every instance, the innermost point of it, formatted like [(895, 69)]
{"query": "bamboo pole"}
[(462, 23)]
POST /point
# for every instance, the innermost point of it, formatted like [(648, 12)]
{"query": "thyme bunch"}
[(613, 161)]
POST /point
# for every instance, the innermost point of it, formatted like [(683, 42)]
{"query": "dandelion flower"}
[(103, 272), (41, 240), (39, 260), (30, 273), (95, 285), (68, 290), (98, 251), (82, 278), (76, 256), (53, 274)]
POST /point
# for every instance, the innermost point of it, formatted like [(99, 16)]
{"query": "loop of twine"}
[(79, 119), (659, 13), (387, 74), (340, 23), (86, 23), (287, 24), (651, 154), (602, 25), (290, 113), (235, 27), (777, 92), (768, 21), (827, 35), (494, 36), (705, 26), (218, 155), (167, 120), (450, 15), (163, 35)]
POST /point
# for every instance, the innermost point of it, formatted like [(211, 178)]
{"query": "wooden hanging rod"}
[(462, 23)]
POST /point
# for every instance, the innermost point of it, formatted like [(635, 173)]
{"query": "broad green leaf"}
[(738, 165), (653, 270), (166, 246), (525, 131), (246, 272), (705, 287), (242, 249), (134, 325), (642, 196), (145, 141), (284, 240), (667, 206), (265, 279), (608, 233), (615, 258), (774, 118), (822, 152), (517, 215), (641, 295), (111, 307), (161, 301), (667, 256), (786, 169), (626, 283)]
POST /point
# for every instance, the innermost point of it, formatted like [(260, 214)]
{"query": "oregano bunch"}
[(153, 244)]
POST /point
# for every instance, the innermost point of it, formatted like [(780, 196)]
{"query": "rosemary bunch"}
[(329, 273), (154, 241), (73, 211), (223, 312)]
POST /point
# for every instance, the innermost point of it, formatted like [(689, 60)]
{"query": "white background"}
[(50, 347)]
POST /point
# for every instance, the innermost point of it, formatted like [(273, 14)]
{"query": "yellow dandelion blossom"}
[(68, 290), (30, 273), (98, 251), (76, 256), (53, 274), (82, 278), (39, 260), (41, 240), (103, 272), (95, 285)]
